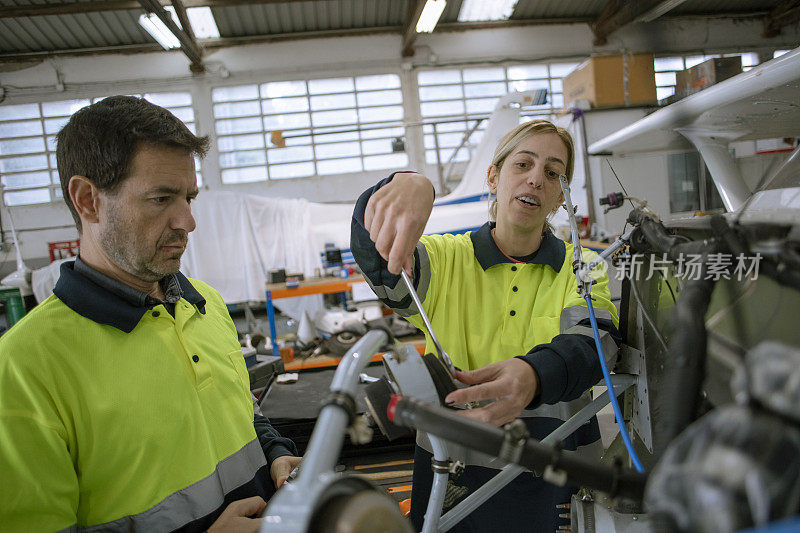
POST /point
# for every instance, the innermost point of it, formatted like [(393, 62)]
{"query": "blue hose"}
[(617, 412)]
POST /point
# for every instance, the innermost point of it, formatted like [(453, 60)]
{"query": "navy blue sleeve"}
[(568, 365), (272, 443), (372, 265)]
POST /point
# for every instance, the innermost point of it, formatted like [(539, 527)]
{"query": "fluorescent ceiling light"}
[(482, 10), (203, 23), (430, 15), (153, 25), (659, 10)]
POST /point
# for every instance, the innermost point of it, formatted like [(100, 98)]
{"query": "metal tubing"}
[(326, 440), (414, 296), (621, 383), (438, 489)]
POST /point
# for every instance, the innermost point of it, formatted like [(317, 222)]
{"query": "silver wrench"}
[(414, 296)]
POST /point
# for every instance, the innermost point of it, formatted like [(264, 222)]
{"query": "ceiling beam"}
[(413, 13), (188, 43), (41, 10), (619, 13), (785, 13)]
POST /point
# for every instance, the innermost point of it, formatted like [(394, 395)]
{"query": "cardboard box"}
[(706, 74), (613, 81)]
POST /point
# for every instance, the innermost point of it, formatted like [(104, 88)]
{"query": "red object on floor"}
[(63, 249), (405, 507)]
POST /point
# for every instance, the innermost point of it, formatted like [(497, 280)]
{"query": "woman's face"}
[(527, 185)]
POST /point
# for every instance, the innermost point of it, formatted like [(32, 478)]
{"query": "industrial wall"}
[(81, 77)]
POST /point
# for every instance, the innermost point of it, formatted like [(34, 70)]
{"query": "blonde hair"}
[(511, 140)]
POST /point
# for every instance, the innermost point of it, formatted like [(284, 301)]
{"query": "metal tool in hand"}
[(414, 296)]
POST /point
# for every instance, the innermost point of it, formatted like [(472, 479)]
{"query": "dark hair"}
[(100, 141)]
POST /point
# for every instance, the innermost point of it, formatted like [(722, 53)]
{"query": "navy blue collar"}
[(104, 306), (552, 250)]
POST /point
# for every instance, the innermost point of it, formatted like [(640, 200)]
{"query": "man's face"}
[(144, 226)]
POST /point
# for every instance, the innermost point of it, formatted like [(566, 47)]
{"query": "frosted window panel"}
[(694, 60), (233, 94), (382, 132), (243, 158), (380, 81), (557, 85), (559, 70), (334, 118), (21, 164), (556, 101), (191, 127), (20, 129), (438, 77), (481, 105), (485, 89), (240, 142), (661, 64), (665, 78), (287, 122), (51, 143), (378, 146), (16, 112), (484, 74), (284, 105), (294, 170), (527, 85), (54, 125), (184, 114), (380, 114), (290, 154), (33, 179), (339, 166), (237, 109), (331, 85), (446, 127), (64, 108), (327, 151), (244, 175), (21, 146), (430, 157), (380, 98), (336, 137), (36, 196), (56, 179), (170, 99), (664, 92), (525, 72), (333, 101), (278, 89), (447, 140), (296, 138), (53, 161), (440, 92), (380, 162), (433, 109), (239, 125)]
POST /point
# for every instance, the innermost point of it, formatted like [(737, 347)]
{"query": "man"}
[(124, 397)]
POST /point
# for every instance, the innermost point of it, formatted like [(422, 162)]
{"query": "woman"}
[(502, 300)]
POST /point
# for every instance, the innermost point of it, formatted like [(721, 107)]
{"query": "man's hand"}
[(512, 385), (235, 517), (396, 216), (281, 467)]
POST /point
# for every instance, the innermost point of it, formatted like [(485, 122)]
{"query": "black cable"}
[(557, 466), (674, 300)]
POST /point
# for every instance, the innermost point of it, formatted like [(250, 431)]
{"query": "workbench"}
[(311, 286)]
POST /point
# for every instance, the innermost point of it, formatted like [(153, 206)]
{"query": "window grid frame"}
[(311, 131), (52, 187), (546, 110)]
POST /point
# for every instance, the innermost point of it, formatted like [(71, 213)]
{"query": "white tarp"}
[(239, 238)]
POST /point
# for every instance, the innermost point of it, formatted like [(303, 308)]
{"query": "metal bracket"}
[(516, 434)]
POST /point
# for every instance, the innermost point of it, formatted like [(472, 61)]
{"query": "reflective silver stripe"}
[(609, 346), (399, 292), (571, 316), (198, 499)]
